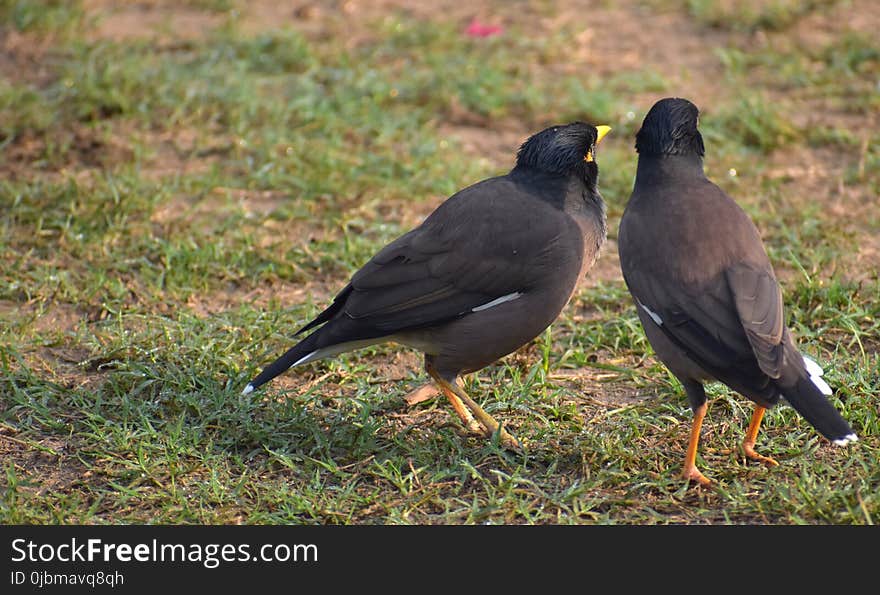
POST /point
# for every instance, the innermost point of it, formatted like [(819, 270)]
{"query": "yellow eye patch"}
[(601, 131)]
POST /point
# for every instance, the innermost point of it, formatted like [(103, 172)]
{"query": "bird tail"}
[(808, 397), (304, 351)]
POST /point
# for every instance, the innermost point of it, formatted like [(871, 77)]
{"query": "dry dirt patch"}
[(161, 20), (41, 466)]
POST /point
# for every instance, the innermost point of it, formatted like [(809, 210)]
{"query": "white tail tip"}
[(248, 389), (846, 440)]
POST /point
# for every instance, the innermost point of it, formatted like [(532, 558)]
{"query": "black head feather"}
[(561, 150), (670, 128)]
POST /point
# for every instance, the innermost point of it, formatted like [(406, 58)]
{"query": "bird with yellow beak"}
[(484, 274)]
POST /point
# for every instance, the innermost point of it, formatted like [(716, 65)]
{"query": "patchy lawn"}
[(184, 184)]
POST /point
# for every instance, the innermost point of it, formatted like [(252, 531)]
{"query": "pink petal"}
[(478, 29)]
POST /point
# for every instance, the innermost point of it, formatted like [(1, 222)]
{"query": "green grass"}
[(52, 16), (750, 15), (172, 212)]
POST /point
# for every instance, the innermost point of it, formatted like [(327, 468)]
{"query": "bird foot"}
[(470, 413), (421, 394), (693, 474), (749, 450), (505, 438), (508, 440), (475, 428), (490, 426)]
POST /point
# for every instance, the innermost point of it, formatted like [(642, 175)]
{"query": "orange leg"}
[(690, 459), (463, 413), (752, 435), (484, 422), (457, 405)]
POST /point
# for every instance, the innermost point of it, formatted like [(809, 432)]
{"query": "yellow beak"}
[(601, 131)]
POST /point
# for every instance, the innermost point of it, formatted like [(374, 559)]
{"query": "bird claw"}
[(507, 440), (693, 474), (474, 427), (753, 455)]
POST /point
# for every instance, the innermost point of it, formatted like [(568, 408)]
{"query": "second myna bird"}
[(484, 274), (704, 288)]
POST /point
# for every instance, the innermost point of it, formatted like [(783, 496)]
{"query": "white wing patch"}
[(654, 316), (248, 389), (497, 301), (816, 372)]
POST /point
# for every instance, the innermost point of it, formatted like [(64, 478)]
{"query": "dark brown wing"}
[(488, 241), (724, 325), (758, 302), (701, 318)]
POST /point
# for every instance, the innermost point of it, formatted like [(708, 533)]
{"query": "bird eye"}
[(590, 153)]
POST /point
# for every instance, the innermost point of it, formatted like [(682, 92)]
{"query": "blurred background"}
[(183, 183)]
